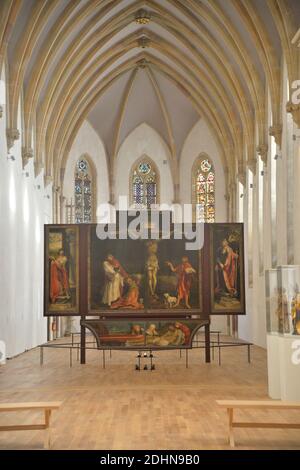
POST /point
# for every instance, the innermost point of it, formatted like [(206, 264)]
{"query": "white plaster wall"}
[(143, 141), (282, 187), (245, 323), (253, 327), (201, 140), (286, 230), (23, 209), (297, 199), (88, 142)]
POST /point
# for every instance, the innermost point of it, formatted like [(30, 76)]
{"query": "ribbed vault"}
[(73, 60)]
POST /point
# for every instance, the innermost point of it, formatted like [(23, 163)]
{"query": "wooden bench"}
[(230, 405), (47, 407)]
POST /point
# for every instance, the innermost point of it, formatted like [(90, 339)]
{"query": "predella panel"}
[(144, 334)]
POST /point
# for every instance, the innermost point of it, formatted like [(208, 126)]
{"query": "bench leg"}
[(230, 421), (47, 442)]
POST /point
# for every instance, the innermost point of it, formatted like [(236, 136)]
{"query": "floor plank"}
[(120, 408)]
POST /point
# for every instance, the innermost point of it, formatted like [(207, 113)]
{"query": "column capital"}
[(27, 154), (47, 180), (251, 163), (262, 151), (276, 132), (12, 134), (38, 167), (294, 110), (241, 175)]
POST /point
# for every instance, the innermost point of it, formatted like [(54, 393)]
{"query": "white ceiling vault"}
[(72, 60), (143, 95)]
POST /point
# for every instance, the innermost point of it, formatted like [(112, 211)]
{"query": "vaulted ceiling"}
[(122, 62)]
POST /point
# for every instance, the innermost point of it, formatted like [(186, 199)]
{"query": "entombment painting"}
[(156, 334)]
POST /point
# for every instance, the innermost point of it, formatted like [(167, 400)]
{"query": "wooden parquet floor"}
[(120, 408)]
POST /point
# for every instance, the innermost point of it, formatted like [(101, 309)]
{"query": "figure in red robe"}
[(117, 266), (185, 273), (226, 269), (131, 298), (59, 283), (185, 330)]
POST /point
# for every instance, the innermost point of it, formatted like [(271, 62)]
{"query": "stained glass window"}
[(83, 193), (204, 191), (144, 168), (144, 185)]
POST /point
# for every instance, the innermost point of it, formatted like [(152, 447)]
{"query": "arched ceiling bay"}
[(146, 97), (118, 63)]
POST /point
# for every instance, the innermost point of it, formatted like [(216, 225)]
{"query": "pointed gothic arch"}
[(85, 200), (144, 183), (203, 189)]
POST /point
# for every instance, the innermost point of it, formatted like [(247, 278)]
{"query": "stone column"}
[(296, 210)]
